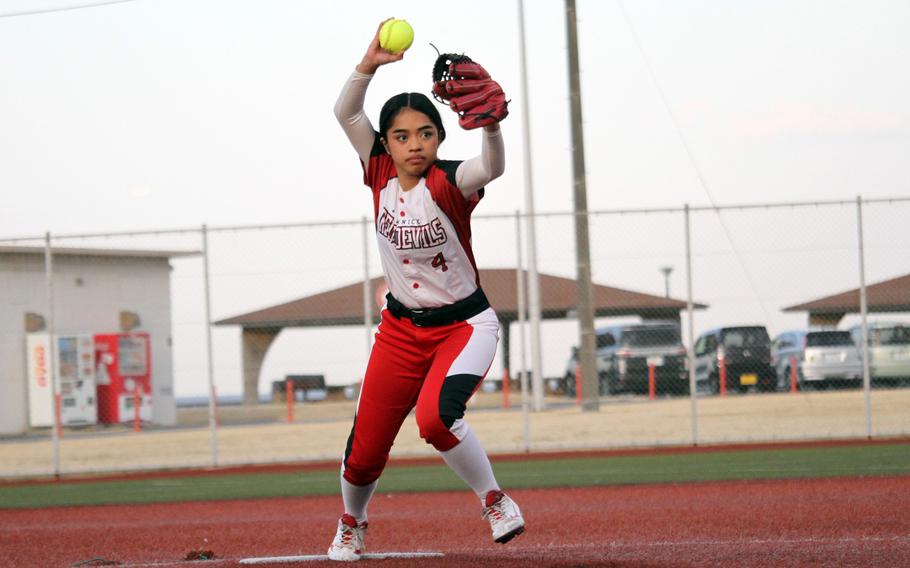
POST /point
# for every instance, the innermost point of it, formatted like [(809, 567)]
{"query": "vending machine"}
[(123, 374), (75, 377)]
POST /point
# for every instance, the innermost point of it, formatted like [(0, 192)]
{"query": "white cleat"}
[(504, 516), (348, 543)]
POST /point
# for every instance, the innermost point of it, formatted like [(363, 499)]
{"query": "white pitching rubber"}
[(318, 557)]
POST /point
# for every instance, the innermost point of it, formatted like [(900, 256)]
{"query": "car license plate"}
[(656, 360), (748, 379)]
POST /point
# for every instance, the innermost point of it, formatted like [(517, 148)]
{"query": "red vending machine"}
[(123, 367)]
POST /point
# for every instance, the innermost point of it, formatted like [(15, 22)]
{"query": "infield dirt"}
[(843, 523)]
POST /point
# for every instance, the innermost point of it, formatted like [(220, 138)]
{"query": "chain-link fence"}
[(227, 345)]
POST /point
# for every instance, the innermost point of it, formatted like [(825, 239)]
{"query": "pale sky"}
[(179, 112), (156, 114)]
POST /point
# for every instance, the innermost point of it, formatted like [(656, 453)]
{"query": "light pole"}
[(666, 270), (531, 223)]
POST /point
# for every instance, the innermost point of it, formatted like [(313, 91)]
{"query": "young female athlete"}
[(437, 336)]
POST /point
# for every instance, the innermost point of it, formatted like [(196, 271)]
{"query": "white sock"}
[(356, 498), (469, 460)]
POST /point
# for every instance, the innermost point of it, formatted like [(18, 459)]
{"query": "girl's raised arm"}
[(349, 106), (477, 172)]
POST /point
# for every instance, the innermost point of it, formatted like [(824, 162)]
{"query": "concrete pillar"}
[(256, 343), (504, 338)]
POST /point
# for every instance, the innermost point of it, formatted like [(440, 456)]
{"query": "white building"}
[(95, 291)]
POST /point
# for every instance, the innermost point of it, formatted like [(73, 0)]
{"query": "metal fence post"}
[(52, 355), (863, 310), (522, 368), (208, 347), (690, 311)]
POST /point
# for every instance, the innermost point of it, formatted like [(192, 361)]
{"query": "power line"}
[(691, 156), (62, 8)]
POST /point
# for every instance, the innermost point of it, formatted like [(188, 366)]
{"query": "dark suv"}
[(624, 353), (743, 352)]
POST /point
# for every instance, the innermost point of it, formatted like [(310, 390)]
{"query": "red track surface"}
[(824, 522)]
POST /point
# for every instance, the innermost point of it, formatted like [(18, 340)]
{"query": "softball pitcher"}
[(438, 334)]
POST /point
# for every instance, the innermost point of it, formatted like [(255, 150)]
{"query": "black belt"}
[(443, 315)]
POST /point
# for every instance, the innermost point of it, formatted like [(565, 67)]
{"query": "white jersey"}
[(424, 233)]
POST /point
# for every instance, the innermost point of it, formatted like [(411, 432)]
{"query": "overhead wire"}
[(691, 156), (62, 8)]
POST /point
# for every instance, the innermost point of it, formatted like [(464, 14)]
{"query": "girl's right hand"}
[(376, 56)]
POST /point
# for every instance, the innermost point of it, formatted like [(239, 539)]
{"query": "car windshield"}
[(746, 337), (897, 335), (828, 339), (651, 337)]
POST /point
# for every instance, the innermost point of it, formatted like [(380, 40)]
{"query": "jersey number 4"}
[(440, 261)]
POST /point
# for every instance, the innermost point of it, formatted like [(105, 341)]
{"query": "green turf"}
[(851, 460)]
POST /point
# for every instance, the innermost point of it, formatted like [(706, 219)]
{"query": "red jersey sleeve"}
[(442, 185)]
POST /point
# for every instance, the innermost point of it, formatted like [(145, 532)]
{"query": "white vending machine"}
[(75, 358)]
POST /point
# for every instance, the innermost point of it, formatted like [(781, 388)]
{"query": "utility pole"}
[(590, 388)]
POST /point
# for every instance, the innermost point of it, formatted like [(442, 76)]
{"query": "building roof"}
[(70, 251), (344, 306), (887, 296)]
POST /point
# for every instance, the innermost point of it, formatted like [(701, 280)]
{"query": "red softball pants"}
[(436, 369)]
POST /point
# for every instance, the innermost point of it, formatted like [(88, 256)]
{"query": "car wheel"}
[(714, 383), (569, 385), (683, 389), (788, 380), (769, 384), (607, 383), (801, 384)]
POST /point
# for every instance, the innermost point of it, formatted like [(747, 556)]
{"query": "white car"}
[(830, 356), (889, 350)]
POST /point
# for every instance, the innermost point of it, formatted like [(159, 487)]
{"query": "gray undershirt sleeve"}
[(353, 120), (477, 172)]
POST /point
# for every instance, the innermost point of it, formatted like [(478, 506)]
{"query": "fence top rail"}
[(740, 206), (184, 230), (347, 222)]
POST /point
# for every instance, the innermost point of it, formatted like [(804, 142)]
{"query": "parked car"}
[(822, 358), (889, 350), (783, 348), (624, 353), (830, 357), (744, 354)]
